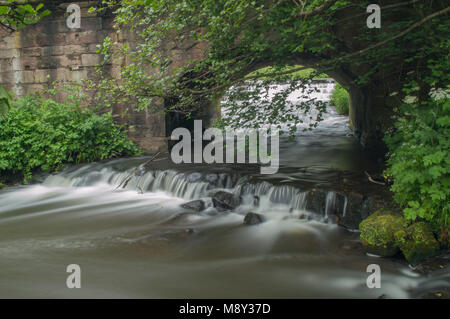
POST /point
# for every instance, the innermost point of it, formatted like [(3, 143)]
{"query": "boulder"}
[(253, 219), (417, 242), (378, 232), (196, 205), (225, 201)]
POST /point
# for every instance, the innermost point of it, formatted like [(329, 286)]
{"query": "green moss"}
[(417, 242), (378, 232)]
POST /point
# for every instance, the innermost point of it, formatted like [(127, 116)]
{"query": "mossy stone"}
[(417, 242), (378, 232)]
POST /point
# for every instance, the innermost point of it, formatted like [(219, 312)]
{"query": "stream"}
[(138, 241)]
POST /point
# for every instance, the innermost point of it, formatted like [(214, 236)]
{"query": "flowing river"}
[(132, 238)]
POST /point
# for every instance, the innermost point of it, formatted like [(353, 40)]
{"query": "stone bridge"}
[(34, 57)]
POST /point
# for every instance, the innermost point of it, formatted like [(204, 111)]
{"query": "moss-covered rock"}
[(378, 232), (417, 242)]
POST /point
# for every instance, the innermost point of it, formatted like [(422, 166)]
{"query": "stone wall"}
[(33, 58)]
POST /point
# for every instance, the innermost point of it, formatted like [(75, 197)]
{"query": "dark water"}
[(137, 242)]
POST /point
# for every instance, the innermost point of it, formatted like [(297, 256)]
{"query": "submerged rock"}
[(417, 242), (196, 205), (253, 219), (378, 232), (225, 201)]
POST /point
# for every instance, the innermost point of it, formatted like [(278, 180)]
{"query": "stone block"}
[(7, 78), (8, 53), (61, 74), (27, 63), (101, 35), (75, 49), (17, 65), (53, 50), (55, 26), (91, 23), (92, 48), (64, 61), (92, 74), (43, 39), (44, 76), (90, 59), (24, 77), (47, 63), (151, 144), (28, 39), (33, 51), (5, 65), (86, 37), (77, 75), (32, 88)]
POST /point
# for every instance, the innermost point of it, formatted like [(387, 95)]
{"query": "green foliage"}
[(5, 101), (340, 99), (245, 36), (17, 14), (420, 161), (419, 144), (41, 134), (242, 35)]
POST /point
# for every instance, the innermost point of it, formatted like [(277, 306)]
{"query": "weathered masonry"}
[(49, 51)]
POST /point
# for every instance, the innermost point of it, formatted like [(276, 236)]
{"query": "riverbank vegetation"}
[(340, 99), (419, 163), (40, 134)]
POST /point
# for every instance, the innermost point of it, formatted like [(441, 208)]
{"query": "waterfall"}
[(196, 185), (330, 203)]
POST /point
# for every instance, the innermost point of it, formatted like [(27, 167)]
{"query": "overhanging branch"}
[(327, 63)]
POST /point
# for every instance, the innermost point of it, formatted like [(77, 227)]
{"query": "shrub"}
[(419, 162), (41, 134), (340, 99)]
